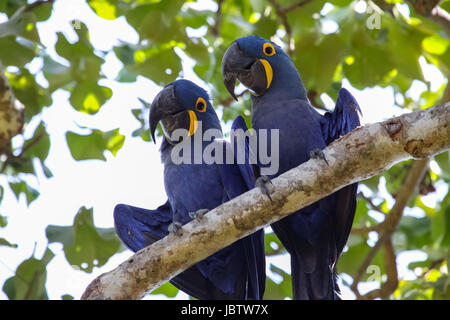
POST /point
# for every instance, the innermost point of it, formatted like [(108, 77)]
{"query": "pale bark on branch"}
[(365, 152), (11, 113)]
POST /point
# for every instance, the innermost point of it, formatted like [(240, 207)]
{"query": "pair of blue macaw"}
[(314, 236)]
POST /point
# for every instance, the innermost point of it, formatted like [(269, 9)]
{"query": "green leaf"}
[(278, 291), (22, 23), (352, 259), (416, 230), (28, 91), (13, 53), (445, 220), (29, 281), (273, 245), (167, 289), (3, 221), (56, 74), (435, 44), (2, 193), (43, 11), (405, 48), (154, 21), (163, 72), (266, 27), (85, 245), (38, 145), (88, 96), (4, 242), (370, 63), (92, 146), (443, 160), (23, 188), (105, 9)]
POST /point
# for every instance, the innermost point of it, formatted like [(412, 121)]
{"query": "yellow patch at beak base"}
[(269, 71), (193, 124)]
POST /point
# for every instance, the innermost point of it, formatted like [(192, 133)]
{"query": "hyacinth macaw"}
[(315, 235), (238, 270)]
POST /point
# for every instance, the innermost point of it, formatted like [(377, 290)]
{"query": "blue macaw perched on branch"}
[(316, 235), (235, 272)]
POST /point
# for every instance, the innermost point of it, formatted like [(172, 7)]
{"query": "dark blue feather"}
[(235, 272), (315, 235), (343, 119)]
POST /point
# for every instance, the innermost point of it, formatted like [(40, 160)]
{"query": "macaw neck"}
[(286, 84), (193, 145)]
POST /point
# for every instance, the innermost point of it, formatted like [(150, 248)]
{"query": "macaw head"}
[(261, 66), (181, 105)]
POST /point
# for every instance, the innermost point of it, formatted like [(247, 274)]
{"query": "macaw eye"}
[(268, 49), (200, 105)]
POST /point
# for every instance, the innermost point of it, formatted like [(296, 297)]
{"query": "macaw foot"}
[(318, 154), (262, 183), (198, 215), (174, 228)]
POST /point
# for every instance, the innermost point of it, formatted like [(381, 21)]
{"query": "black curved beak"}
[(165, 108), (250, 71)]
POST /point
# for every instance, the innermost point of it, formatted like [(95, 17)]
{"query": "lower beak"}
[(166, 109), (255, 74), (185, 122)]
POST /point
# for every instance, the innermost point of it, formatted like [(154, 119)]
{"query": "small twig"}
[(284, 20), (30, 144), (312, 95), (389, 225), (36, 4), (431, 9), (391, 283), (228, 101), (294, 6), (371, 204), (432, 266), (365, 230), (215, 27)]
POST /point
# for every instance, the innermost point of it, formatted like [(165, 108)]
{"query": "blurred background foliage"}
[(370, 43)]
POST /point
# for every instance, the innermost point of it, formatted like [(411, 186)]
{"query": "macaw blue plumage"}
[(315, 235), (235, 272)]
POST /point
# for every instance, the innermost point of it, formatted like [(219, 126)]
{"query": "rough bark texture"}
[(11, 113), (365, 152)]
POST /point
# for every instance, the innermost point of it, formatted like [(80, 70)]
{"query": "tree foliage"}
[(383, 43)]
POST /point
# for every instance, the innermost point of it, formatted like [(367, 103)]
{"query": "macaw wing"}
[(138, 228), (244, 156), (343, 119), (334, 124), (237, 178)]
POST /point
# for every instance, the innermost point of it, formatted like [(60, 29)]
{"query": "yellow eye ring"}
[(268, 49), (200, 105)]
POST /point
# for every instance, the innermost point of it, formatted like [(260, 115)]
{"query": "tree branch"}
[(372, 205), (385, 229), (294, 6), (389, 225), (284, 20), (11, 113), (216, 26), (391, 284), (365, 152), (431, 9)]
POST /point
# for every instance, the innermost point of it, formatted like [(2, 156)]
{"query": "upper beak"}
[(234, 61), (255, 74), (167, 109), (164, 105)]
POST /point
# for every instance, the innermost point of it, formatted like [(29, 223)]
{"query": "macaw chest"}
[(297, 132), (191, 187)]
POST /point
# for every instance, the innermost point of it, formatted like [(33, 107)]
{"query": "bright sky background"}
[(134, 176)]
